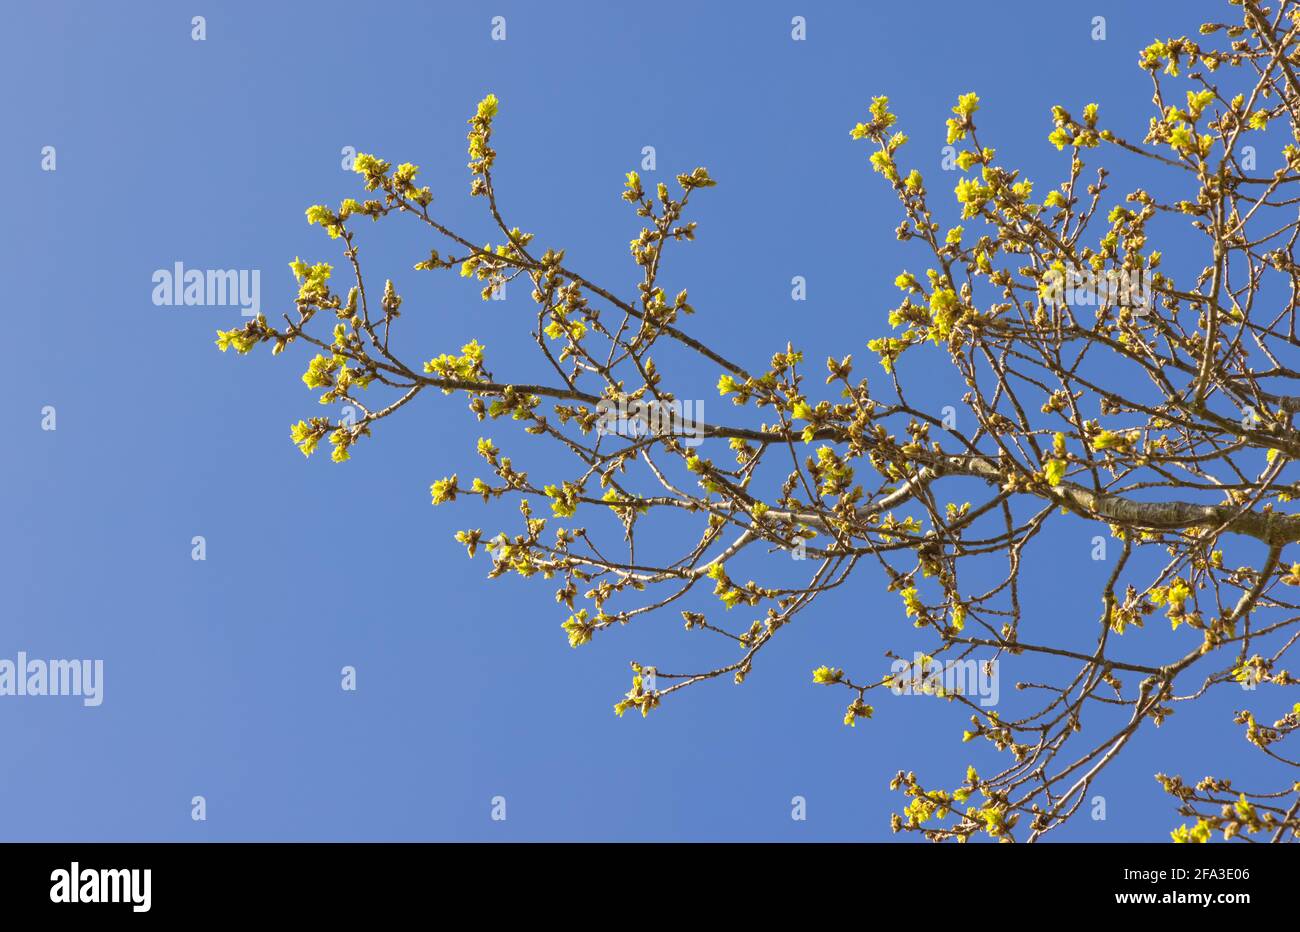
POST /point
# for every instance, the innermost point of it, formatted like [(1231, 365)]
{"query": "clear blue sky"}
[(222, 677)]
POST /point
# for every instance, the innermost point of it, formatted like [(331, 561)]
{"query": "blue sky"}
[(222, 676)]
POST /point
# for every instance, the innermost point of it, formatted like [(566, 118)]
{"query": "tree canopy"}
[(1126, 358)]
